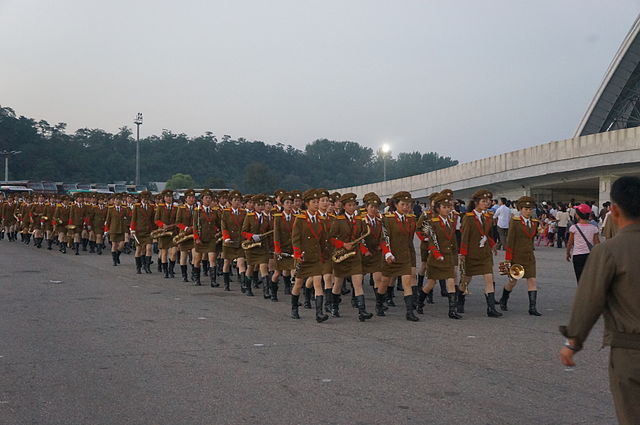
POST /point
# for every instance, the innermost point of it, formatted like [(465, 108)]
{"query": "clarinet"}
[(385, 234), (428, 229)]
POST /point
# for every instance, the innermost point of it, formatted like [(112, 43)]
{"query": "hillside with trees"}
[(93, 155)]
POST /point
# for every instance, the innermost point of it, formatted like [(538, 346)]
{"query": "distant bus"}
[(10, 189), (67, 187)]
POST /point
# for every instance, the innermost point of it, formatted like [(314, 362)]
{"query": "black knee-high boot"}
[(294, 306), (380, 303), (147, 264), (114, 257), (504, 299), (138, 263), (92, 247), (205, 267), (362, 310), (196, 276), (390, 295), (76, 248), (335, 304), (183, 270), (165, 270), (307, 297), (85, 242), (266, 287), (461, 300), (226, 278), (408, 302), (533, 298), (491, 306), (320, 316), (255, 279), (49, 243), (274, 291), (452, 306), (443, 288), (354, 302), (328, 298), (287, 285), (421, 297), (172, 266)]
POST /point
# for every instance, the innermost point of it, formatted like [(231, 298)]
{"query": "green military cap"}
[(441, 199), (286, 196), (297, 194), (324, 193), (279, 192)]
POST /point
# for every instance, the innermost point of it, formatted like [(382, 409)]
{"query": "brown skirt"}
[(257, 255), (424, 251), (479, 266), (187, 246), (144, 239), (206, 247), (528, 261), (286, 263), (397, 268), (116, 237), (349, 267), (231, 253), (372, 263), (309, 269), (165, 242)]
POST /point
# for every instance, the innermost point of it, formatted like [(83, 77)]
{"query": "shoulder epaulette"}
[(411, 215), (277, 214), (251, 214), (389, 215), (341, 217), (137, 204), (111, 206), (227, 209), (58, 205), (182, 206), (435, 219), (515, 218), (489, 213), (301, 215), (535, 220), (470, 214), (161, 205)]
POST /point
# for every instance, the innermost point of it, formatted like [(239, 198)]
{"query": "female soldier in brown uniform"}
[(283, 226), (443, 254), (231, 224), (60, 220), (477, 249), (141, 226), (184, 220), (327, 219), (346, 228), (400, 226), (50, 209), (97, 218), (206, 224), (116, 225), (166, 216), (424, 246), (309, 250), (372, 260), (256, 223), (519, 250)]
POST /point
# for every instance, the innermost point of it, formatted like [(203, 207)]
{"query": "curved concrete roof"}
[(615, 104)]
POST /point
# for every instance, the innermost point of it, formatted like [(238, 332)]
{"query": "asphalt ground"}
[(83, 342)]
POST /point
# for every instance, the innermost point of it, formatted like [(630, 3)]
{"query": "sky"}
[(467, 79)]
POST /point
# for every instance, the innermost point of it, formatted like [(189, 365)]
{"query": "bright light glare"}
[(386, 148)]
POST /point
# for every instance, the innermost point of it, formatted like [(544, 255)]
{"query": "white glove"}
[(388, 255), (227, 240), (255, 237)]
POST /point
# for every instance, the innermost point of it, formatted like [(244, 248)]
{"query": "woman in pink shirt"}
[(582, 237)]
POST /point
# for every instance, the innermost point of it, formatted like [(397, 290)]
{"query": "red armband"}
[(196, 236), (159, 223), (106, 229), (225, 235), (464, 249), (247, 235), (491, 242), (336, 242), (363, 249), (385, 248), (509, 255), (181, 226), (421, 236), (276, 247), (296, 253)]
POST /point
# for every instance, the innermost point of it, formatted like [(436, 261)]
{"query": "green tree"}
[(180, 181)]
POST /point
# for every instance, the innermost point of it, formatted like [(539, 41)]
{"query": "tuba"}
[(183, 236), (250, 243), (514, 271), (342, 254)]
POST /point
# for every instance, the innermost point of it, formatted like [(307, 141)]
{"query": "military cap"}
[(482, 194), (311, 194), (433, 195), (145, 194), (206, 192), (296, 194), (247, 198), (258, 199), (235, 194), (166, 192), (279, 192), (223, 193), (271, 199), (371, 198), (323, 193), (286, 196), (349, 197), (402, 196), (448, 193), (525, 202), (336, 196), (441, 199), (189, 192)]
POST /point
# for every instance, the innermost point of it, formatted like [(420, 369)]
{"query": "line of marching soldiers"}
[(315, 241)]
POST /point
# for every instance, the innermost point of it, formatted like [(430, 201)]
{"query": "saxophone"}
[(342, 254), (250, 243)]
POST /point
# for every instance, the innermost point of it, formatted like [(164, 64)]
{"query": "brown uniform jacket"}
[(76, 215), (472, 232), (447, 244), (282, 233), (97, 217), (61, 216), (308, 239), (184, 216), (252, 225), (206, 225), (400, 236), (117, 221), (165, 215), (609, 287), (520, 242), (142, 219), (231, 224)]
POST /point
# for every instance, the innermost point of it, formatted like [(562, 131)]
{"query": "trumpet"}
[(514, 271), (342, 254), (463, 283), (70, 227), (248, 244), (163, 231)]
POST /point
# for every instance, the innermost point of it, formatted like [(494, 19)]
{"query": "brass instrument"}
[(183, 236), (427, 229), (514, 271), (298, 265), (250, 243), (163, 231), (463, 283), (342, 254), (70, 227)]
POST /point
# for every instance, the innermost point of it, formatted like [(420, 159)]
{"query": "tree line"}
[(97, 156)]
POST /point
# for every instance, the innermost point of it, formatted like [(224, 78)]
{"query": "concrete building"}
[(606, 145)]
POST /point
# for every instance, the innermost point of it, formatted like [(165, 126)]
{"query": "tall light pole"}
[(385, 151), (6, 154), (138, 123)]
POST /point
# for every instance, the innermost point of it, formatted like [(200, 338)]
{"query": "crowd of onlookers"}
[(572, 225)]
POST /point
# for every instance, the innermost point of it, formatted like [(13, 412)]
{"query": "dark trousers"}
[(578, 264), (562, 231), (624, 382), (502, 236)]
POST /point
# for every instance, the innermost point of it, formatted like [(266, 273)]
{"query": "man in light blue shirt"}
[(502, 217)]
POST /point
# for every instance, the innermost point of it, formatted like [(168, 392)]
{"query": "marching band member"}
[(206, 224), (165, 216), (184, 220), (254, 225), (519, 250), (231, 224), (477, 250), (283, 249), (140, 227)]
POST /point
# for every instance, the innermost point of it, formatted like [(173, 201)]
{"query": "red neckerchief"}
[(378, 229), (479, 224), (525, 229), (401, 225), (307, 218), (447, 230)]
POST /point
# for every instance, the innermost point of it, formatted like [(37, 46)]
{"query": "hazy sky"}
[(468, 79)]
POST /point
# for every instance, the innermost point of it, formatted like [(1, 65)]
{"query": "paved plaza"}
[(83, 342)]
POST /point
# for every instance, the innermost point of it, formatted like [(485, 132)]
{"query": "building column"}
[(604, 188)]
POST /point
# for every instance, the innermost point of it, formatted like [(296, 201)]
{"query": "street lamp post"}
[(138, 123), (385, 151), (6, 154)]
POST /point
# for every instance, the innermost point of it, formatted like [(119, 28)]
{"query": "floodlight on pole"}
[(138, 123), (385, 149), (6, 154)]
